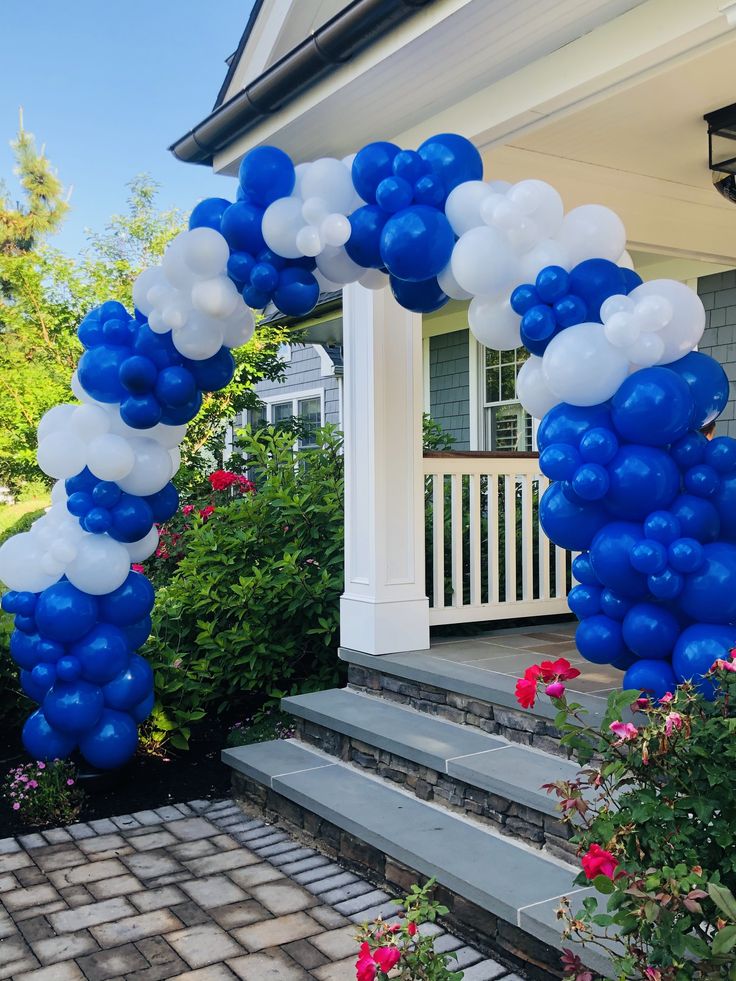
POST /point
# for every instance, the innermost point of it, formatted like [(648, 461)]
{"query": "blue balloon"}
[(297, 292), (89, 331), (553, 283), (25, 649), (214, 373), (430, 191), (112, 310), (452, 158), (267, 173), (208, 213), (128, 603), (141, 412), (523, 298), (132, 519), (131, 686), (424, 297), (650, 631), (538, 327), (631, 280), (697, 518), (582, 570), (570, 525), (702, 481), (79, 504), (97, 521), (164, 503), (175, 386), (68, 668), (409, 166), (73, 706), (559, 461), (591, 482), (171, 416), (662, 526), (570, 310), (720, 453), (99, 372), (119, 332), (102, 653), (142, 710), (138, 374), (158, 347), (371, 165), (710, 593), (64, 613), (697, 649), (666, 585), (38, 681), (416, 243), (394, 193), (364, 244), (598, 446), (256, 299), (241, 227), (599, 639), (24, 603), (708, 384), (686, 555), (264, 277), (584, 601), (239, 267), (624, 661), (568, 423), (111, 741), (106, 494), (616, 607), (83, 482), (642, 479), (689, 450), (594, 280), (655, 678), (649, 557), (26, 625), (43, 742), (609, 556), (653, 406), (138, 633)]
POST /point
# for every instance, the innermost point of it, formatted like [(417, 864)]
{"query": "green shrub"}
[(251, 610), (16, 518)]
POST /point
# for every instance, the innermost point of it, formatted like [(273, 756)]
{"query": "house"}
[(604, 99)]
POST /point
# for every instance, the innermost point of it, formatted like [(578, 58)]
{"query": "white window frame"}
[(478, 404), (295, 398)]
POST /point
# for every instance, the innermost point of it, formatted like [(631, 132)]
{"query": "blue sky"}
[(107, 86)]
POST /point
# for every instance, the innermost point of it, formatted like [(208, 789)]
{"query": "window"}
[(306, 408), (508, 427)]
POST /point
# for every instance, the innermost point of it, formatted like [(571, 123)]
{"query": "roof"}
[(234, 59)]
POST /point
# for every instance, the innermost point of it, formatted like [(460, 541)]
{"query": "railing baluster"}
[(438, 540), (527, 543), (456, 505), (493, 583), (509, 513), (544, 547), (475, 510)]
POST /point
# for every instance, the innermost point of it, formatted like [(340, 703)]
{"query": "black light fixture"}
[(722, 150)]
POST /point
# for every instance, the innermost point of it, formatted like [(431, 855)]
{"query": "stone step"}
[(447, 758), (515, 884)]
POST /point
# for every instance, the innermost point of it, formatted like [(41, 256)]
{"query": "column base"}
[(384, 628)]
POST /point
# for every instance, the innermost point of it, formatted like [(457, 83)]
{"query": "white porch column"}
[(384, 608)]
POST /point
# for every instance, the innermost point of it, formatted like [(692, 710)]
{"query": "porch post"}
[(384, 608)]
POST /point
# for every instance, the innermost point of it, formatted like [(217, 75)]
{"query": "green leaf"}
[(603, 884), (724, 941), (723, 898)]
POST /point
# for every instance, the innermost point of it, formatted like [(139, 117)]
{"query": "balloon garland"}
[(644, 498)]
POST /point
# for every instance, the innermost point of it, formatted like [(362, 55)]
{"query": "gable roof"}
[(234, 60)]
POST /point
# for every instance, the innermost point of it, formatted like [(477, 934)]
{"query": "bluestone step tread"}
[(497, 873), (481, 760), (427, 668)]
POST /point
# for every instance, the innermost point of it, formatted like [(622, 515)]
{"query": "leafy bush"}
[(263, 727), (19, 524), (654, 811), (251, 610), (44, 793)]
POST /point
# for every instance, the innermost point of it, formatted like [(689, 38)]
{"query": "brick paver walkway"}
[(194, 891)]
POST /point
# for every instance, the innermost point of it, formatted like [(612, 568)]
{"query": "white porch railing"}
[(487, 557)]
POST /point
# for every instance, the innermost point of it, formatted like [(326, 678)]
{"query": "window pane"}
[(281, 411), (493, 385), (491, 357), (310, 416), (508, 382)]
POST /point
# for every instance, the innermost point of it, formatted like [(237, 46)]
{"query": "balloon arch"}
[(638, 491)]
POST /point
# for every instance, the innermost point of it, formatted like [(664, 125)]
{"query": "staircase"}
[(426, 766)]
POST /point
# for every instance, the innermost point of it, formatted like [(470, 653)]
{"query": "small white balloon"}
[(144, 548), (450, 286), (175, 313), (110, 457), (100, 566), (57, 418), (524, 235), (683, 332), (337, 266), (151, 470), (280, 224), (618, 303), (482, 262), (330, 180), (625, 261), (90, 421), (500, 187), (581, 367), (538, 200), (489, 204), (52, 566), (494, 323), (206, 252), (176, 270), (654, 312), (149, 278), (198, 339), (216, 297), (58, 493), (592, 231), (464, 203), (335, 230), (314, 210), (299, 172), (64, 551), (532, 389), (621, 329), (157, 323), (646, 350), (308, 241), (239, 327), (62, 454)]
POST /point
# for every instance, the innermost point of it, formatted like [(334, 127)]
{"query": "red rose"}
[(366, 967), (387, 958), (559, 670), (526, 687), (598, 861)]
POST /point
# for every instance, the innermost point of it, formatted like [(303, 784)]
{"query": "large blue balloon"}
[(241, 227), (73, 706), (164, 503), (424, 297), (570, 525), (158, 347), (297, 292), (594, 280), (371, 165), (416, 243), (697, 517), (710, 593), (653, 406), (708, 384), (102, 653), (175, 386), (697, 649), (141, 412), (138, 633), (99, 372), (128, 603), (25, 649), (142, 710), (138, 374), (567, 423), (452, 158), (651, 631), (64, 613), (131, 686), (266, 173), (599, 639), (655, 678), (171, 416), (725, 501), (132, 519), (214, 373), (642, 479), (111, 741), (364, 244), (208, 213), (43, 742), (609, 556)]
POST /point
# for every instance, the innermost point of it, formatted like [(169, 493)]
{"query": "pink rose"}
[(555, 690), (672, 722), (626, 731)]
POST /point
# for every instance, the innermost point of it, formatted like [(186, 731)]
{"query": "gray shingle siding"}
[(304, 373), (718, 293), (449, 384)]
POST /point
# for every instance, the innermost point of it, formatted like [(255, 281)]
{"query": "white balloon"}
[(450, 286), (198, 339), (64, 551), (374, 279), (175, 454), (326, 285), (336, 265), (482, 262), (52, 566), (330, 180), (524, 234), (500, 187), (335, 230), (625, 261), (505, 213), (100, 565), (205, 252), (581, 367), (156, 320), (167, 436), (175, 314), (618, 303), (684, 330), (239, 327), (216, 297), (592, 231), (540, 201), (58, 493), (314, 210), (548, 252), (280, 225), (646, 350), (299, 171), (532, 389), (62, 454), (144, 548), (56, 419), (20, 564), (144, 282), (151, 471), (110, 457), (621, 329), (494, 323), (654, 312), (176, 270), (90, 421), (464, 203), (308, 241)]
